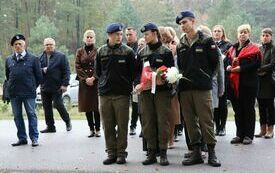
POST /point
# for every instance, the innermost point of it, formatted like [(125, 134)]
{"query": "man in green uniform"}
[(115, 71), (197, 61)]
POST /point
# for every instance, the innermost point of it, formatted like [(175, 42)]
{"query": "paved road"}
[(74, 152)]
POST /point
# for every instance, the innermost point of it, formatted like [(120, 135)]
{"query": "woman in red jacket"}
[(244, 58)]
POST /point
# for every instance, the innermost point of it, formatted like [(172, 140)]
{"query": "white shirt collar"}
[(23, 53)]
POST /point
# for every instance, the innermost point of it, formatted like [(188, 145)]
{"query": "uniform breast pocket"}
[(122, 65), (182, 52), (104, 61)]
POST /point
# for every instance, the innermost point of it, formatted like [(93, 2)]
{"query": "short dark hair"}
[(267, 31)]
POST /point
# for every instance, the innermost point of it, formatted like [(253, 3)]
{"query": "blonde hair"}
[(244, 27), (168, 34), (205, 30), (224, 38), (86, 33)]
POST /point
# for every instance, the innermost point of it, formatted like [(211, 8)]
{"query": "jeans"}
[(29, 104)]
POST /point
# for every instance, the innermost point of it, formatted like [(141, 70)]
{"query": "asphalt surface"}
[(73, 152)]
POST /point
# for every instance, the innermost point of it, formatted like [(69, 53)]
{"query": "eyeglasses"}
[(48, 44)]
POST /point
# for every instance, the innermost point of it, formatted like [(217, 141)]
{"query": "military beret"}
[(114, 27), (184, 14), (17, 37), (149, 26)]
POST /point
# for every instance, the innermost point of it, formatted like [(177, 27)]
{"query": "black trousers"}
[(266, 111), (220, 113), (245, 116), (135, 115), (49, 100), (93, 119)]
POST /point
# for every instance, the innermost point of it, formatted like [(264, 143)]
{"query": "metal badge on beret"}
[(142, 29)]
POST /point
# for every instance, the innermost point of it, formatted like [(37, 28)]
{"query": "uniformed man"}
[(155, 107), (115, 71), (23, 74), (197, 61)]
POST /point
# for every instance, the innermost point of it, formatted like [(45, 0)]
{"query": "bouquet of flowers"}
[(170, 75), (149, 78)]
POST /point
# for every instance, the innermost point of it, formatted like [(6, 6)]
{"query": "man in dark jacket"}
[(56, 73), (23, 74), (197, 61), (115, 73), (132, 41)]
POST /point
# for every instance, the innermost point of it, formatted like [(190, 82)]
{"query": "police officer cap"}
[(184, 14), (114, 27), (149, 26), (17, 37)]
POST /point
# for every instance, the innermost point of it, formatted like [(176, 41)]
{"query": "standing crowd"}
[(111, 78)]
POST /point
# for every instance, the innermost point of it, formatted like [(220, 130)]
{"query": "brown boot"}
[(269, 134), (262, 132)]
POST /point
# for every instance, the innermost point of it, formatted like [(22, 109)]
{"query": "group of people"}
[(213, 71)]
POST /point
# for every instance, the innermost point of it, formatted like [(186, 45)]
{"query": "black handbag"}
[(5, 96)]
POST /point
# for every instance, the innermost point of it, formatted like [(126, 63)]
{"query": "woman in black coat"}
[(266, 92), (220, 113)]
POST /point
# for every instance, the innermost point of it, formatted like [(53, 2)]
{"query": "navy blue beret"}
[(184, 14), (17, 37), (149, 26), (114, 27)]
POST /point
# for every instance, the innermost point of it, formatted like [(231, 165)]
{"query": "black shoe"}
[(163, 158), (236, 140), (48, 130), (92, 134), (109, 160), (120, 160), (132, 131), (217, 132), (97, 134), (69, 126), (247, 141), (222, 132), (20, 142), (179, 132), (35, 143), (176, 139), (140, 135)]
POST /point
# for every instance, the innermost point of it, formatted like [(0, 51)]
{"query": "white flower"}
[(173, 75)]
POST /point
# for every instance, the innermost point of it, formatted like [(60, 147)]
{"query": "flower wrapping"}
[(146, 76)]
